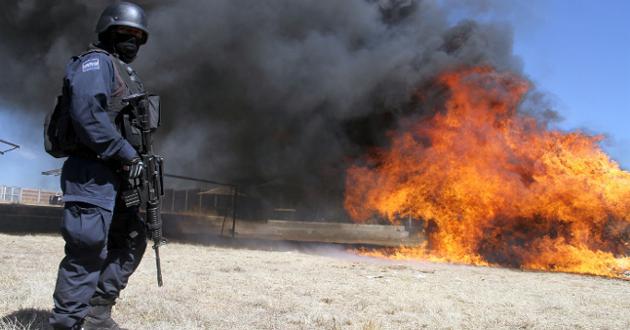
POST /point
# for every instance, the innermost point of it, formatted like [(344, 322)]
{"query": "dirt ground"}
[(281, 287)]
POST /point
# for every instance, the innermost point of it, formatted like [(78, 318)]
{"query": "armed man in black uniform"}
[(105, 240)]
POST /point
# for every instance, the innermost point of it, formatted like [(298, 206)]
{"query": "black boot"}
[(100, 315), (77, 326)]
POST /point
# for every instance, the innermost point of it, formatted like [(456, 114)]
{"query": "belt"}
[(86, 153)]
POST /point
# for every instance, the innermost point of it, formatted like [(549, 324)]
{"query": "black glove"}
[(134, 168)]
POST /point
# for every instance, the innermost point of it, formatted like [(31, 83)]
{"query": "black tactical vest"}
[(120, 113)]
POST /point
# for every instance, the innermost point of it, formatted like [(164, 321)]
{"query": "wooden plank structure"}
[(302, 231), (19, 218)]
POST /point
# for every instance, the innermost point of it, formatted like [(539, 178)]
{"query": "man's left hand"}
[(134, 168)]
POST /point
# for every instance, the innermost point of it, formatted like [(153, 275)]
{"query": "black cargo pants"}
[(102, 250)]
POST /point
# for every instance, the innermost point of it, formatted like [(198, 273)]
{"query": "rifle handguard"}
[(154, 223)]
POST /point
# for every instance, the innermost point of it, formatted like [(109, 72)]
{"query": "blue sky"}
[(22, 167), (577, 51)]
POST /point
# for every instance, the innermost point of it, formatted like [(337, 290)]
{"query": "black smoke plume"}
[(277, 95)]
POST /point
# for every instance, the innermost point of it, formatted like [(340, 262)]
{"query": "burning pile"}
[(495, 186)]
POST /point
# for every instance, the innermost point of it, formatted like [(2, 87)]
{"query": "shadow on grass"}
[(29, 318)]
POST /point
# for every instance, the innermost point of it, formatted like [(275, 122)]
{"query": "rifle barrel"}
[(158, 265)]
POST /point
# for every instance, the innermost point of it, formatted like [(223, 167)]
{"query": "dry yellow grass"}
[(210, 287)]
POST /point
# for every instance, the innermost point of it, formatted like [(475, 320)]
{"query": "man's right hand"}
[(133, 168)]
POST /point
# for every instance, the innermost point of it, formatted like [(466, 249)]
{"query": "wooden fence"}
[(18, 195)]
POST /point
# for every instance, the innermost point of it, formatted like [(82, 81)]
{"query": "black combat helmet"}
[(123, 14)]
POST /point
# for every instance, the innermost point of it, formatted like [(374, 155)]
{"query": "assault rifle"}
[(148, 189)]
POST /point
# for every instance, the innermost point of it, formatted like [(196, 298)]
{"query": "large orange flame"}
[(494, 186)]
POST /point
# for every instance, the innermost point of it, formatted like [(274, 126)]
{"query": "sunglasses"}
[(138, 34)]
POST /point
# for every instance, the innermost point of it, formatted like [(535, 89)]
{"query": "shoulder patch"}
[(91, 64)]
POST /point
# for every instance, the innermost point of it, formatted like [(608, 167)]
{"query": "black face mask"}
[(126, 47)]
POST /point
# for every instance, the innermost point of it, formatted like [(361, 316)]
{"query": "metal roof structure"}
[(12, 146), (55, 172)]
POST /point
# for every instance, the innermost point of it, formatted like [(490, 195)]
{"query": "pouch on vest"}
[(154, 111), (129, 126), (60, 140)]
